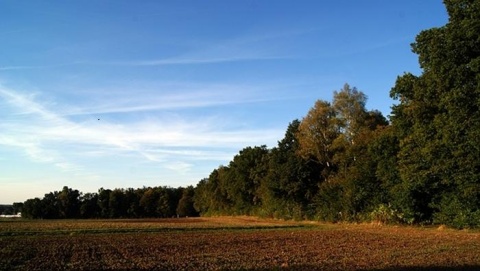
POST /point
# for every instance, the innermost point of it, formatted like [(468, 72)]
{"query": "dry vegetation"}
[(240, 243)]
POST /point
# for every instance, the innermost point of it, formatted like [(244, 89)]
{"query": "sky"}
[(127, 94)]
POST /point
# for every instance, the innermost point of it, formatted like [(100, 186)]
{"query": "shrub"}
[(386, 214)]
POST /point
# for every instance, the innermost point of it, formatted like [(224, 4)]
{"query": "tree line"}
[(342, 162), (118, 203), (329, 166), (10, 209)]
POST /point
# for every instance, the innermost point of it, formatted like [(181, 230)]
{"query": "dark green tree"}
[(292, 181), (17, 207), (104, 202), (89, 207), (168, 199), (211, 194), (69, 203), (438, 120), (244, 177), (118, 204), (32, 209), (51, 206), (149, 202), (132, 199), (185, 204)]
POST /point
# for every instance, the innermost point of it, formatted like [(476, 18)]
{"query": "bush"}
[(456, 215), (386, 214)]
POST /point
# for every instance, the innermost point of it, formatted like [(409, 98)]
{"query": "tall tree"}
[(349, 105), (104, 202), (316, 134), (149, 202), (185, 204), (69, 203), (32, 209), (292, 181), (51, 206), (244, 177), (117, 203), (439, 120), (211, 195), (89, 207)]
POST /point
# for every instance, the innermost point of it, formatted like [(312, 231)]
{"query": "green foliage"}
[(7, 210), (292, 181), (316, 134), (89, 207), (454, 212), (323, 168), (68, 203), (185, 204), (211, 196), (244, 176), (329, 202), (438, 121), (386, 214), (117, 203), (32, 208)]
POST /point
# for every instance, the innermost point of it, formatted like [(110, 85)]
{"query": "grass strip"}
[(150, 230)]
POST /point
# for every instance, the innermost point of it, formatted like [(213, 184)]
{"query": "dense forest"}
[(117, 203), (342, 162)]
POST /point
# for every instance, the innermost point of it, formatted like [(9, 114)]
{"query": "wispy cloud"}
[(14, 31), (171, 96), (250, 47), (142, 122), (35, 67), (192, 60), (47, 136)]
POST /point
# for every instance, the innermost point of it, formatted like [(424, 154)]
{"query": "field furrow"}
[(243, 246)]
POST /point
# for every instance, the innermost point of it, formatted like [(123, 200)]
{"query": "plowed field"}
[(231, 244)]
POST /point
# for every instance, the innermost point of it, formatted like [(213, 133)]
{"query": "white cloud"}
[(179, 167), (47, 136), (35, 67), (138, 97), (195, 60), (247, 47)]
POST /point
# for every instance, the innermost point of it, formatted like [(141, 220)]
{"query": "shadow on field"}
[(400, 268), (437, 268)]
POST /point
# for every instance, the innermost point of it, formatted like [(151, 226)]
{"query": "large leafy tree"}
[(117, 203), (245, 174), (292, 181), (316, 134), (211, 195), (337, 135), (69, 203), (349, 106), (89, 207), (32, 208), (185, 204), (438, 119)]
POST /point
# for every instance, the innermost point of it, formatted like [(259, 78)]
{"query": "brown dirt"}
[(315, 247)]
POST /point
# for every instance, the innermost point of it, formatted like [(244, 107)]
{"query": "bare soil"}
[(231, 243)]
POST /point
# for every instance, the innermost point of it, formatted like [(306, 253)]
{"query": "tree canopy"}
[(438, 121)]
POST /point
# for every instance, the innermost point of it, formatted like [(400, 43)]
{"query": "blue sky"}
[(119, 94)]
